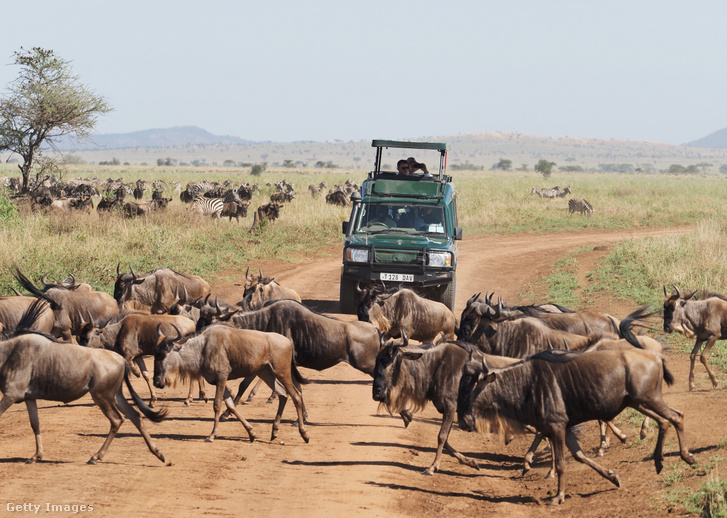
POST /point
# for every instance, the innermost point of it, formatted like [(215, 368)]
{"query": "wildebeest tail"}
[(298, 378), (624, 327), (156, 416), (668, 376), (26, 284), (31, 315)]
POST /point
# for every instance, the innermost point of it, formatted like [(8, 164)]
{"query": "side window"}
[(454, 212)]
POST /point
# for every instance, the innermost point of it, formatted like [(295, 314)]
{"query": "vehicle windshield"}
[(393, 217)]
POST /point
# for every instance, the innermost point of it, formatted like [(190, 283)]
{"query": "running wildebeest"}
[(35, 365), (223, 352), (555, 390)]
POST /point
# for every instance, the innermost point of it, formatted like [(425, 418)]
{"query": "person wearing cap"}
[(417, 166)]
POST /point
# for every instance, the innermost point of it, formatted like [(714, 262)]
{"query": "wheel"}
[(348, 297), (447, 297)]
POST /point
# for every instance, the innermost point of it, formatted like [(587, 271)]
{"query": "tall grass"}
[(90, 246), (639, 269)]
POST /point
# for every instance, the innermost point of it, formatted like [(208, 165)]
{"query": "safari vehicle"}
[(403, 229)]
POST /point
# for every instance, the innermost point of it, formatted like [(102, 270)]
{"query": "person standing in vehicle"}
[(417, 166)]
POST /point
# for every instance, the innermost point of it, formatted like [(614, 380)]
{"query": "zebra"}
[(550, 193), (211, 206), (565, 192), (535, 190), (580, 205)]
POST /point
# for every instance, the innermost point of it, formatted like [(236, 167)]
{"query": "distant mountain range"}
[(195, 136), (153, 138), (717, 140)]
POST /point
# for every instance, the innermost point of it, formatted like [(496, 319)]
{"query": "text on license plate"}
[(396, 277)]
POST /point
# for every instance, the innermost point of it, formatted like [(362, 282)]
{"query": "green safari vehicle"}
[(403, 228)]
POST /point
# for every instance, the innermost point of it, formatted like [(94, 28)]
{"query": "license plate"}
[(396, 277)]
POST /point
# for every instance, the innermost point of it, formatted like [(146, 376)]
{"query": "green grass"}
[(488, 202)]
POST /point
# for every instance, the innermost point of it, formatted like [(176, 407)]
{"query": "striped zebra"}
[(550, 193), (580, 205), (212, 206)]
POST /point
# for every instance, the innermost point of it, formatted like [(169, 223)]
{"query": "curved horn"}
[(16, 291), (118, 270), (679, 293), (217, 306), (133, 273), (73, 278), (404, 337), (186, 294), (90, 318), (358, 286)]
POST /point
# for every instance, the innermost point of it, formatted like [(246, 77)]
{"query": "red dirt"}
[(360, 461)]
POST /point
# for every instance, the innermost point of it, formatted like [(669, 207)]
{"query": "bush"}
[(8, 210)]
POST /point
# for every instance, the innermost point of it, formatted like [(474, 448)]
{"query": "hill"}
[(718, 139), (477, 150), (153, 138)]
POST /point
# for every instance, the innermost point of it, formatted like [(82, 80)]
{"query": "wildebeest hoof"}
[(428, 472), (249, 399), (91, 461), (209, 439), (615, 479)]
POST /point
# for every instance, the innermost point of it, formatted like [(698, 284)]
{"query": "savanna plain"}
[(647, 232)]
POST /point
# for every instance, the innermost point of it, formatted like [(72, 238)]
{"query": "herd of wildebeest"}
[(498, 367), (207, 198)]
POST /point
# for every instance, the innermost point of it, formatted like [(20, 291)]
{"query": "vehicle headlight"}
[(440, 259), (357, 255)]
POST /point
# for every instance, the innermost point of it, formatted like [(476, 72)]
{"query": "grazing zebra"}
[(580, 205), (535, 190), (211, 206), (565, 192)]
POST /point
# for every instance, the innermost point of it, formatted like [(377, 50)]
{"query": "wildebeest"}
[(71, 305), (83, 204), (263, 214), (554, 391), (483, 326), (577, 322), (407, 378), (132, 209), (263, 288), (157, 290), (234, 209), (282, 197), (36, 366), (134, 336), (404, 311), (320, 341), (704, 319), (337, 198), (12, 310), (223, 352)]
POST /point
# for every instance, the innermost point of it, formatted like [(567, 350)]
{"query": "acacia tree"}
[(544, 167), (46, 102)]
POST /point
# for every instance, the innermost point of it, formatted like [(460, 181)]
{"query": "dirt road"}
[(360, 461)]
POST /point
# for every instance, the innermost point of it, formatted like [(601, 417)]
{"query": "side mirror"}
[(458, 233), (344, 227)]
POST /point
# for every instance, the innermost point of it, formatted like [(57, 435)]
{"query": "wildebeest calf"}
[(223, 352)]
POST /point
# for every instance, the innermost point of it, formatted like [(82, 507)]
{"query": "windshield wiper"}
[(388, 230)]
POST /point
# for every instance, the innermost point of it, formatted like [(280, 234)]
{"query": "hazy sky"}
[(357, 70)]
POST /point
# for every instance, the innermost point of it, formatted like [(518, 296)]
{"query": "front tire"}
[(448, 295)]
